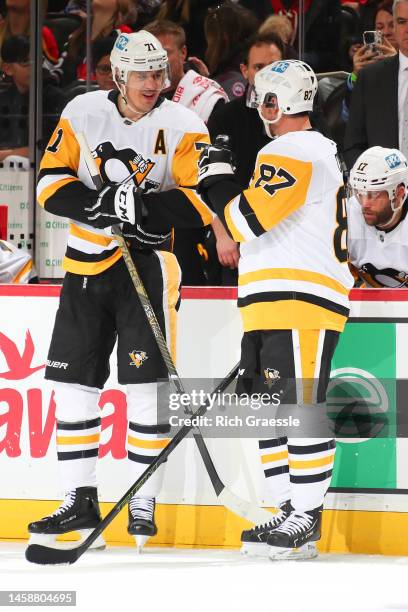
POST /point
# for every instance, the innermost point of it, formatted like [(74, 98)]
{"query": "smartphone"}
[(371, 39)]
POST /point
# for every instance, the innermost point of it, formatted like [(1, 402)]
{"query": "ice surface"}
[(192, 580)]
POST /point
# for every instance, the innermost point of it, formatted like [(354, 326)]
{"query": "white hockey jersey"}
[(292, 226), (16, 265), (163, 148), (379, 258), (199, 93)]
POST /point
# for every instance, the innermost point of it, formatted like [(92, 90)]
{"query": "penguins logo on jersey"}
[(110, 159), (387, 277), (271, 376), (138, 357)]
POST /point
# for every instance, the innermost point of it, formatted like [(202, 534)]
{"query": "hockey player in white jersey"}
[(377, 210), (130, 131), (16, 265), (292, 292)]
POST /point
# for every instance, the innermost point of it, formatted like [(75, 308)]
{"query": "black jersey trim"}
[(275, 296)]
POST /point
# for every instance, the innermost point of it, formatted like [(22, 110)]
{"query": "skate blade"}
[(140, 541), (50, 539), (99, 543), (255, 549), (307, 551)]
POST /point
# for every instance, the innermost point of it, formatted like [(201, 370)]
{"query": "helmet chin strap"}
[(268, 122), (395, 211), (122, 91)]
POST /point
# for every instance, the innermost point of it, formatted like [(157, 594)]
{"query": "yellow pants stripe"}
[(78, 439), (274, 457), (311, 463), (148, 443)]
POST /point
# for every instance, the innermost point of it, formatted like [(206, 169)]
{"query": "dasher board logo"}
[(272, 376), (358, 403), (137, 358)]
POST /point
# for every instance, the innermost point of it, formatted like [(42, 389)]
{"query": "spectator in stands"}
[(282, 27), (108, 17), (202, 95), (322, 30), (14, 101), (228, 27), (190, 14), (377, 226), (101, 50), (189, 88), (17, 22), (245, 130), (384, 22), (378, 114), (242, 124)]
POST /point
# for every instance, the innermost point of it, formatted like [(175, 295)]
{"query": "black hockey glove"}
[(114, 204), (215, 164)]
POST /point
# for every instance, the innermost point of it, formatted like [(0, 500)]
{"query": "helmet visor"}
[(256, 98), (367, 195), (148, 80)]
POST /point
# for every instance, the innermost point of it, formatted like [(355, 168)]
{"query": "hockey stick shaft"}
[(237, 505), (46, 555)]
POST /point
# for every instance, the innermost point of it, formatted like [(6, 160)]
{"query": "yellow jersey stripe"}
[(274, 198), (201, 208), (87, 268), (80, 232), (292, 274), (290, 314), (23, 271), (185, 159), (53, 188), (235, 233)]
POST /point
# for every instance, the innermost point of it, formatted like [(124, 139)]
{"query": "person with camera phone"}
[(374, 49)]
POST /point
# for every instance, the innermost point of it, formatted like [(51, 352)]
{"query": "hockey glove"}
[(114, 204), (215, 164)]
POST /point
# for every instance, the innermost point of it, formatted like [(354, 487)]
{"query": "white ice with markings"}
[(192, 580)]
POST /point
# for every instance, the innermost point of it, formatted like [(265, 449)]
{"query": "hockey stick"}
[(227, 498), (48, 555)]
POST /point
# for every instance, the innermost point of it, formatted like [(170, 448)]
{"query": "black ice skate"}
[(78, 512), (141, 519), (296, 537), (254, 541)]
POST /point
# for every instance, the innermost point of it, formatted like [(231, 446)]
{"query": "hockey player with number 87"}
[(131, 132), (292, 292)]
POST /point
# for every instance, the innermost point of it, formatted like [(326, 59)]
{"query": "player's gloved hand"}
[(215, 164), (115, 203)]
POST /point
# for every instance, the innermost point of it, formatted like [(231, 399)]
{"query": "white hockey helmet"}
[(291, 85), (379, 169), (138, 52)]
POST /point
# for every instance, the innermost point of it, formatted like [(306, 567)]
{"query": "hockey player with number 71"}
[(293, 294), (133, 132)]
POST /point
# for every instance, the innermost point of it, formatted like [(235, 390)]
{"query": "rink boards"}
[(367, 504)]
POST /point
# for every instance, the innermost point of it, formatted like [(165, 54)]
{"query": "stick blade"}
[(47, 555)]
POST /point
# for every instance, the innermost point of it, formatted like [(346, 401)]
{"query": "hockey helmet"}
[(289, 85), (138, 52), (379, 169)]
